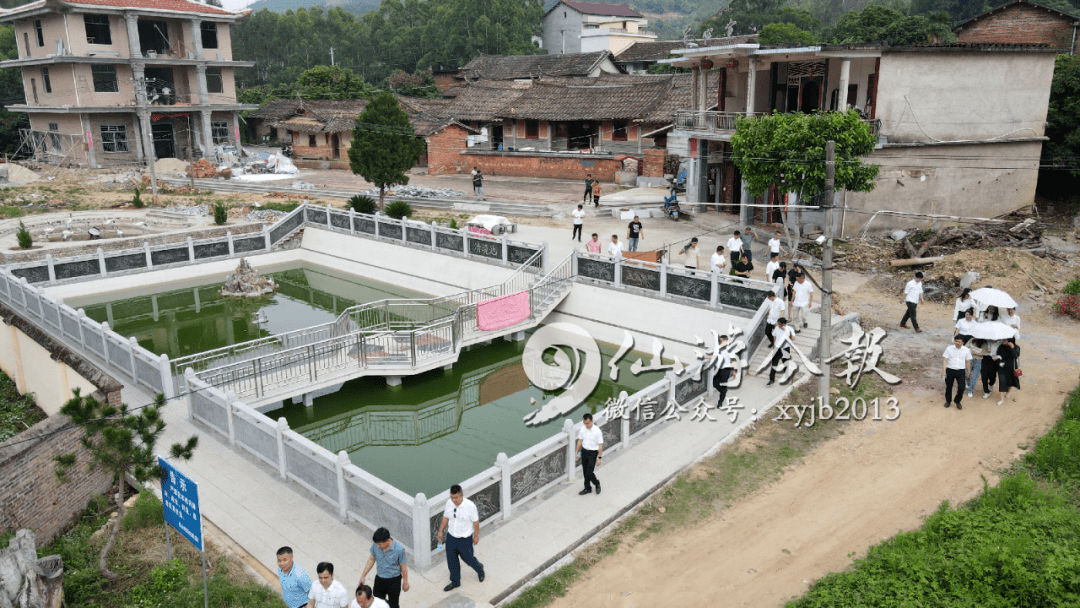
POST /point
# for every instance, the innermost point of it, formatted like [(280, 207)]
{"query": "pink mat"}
[(479, 230), (502, 312)]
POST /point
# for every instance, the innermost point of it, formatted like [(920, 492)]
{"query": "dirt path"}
[(867, 484)]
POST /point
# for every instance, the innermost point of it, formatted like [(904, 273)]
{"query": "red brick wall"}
[(445, 81), (654, 162), (444, 151), (1020, 24), (524, 165)]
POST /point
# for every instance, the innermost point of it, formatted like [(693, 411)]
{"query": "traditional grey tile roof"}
[(312, 115), (656, 50), (514, 67), (481, 101), (680, 97), (587, 102), (428, 115)]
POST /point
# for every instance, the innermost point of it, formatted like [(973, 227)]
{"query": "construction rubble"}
[(1024, 235), (417, 192)]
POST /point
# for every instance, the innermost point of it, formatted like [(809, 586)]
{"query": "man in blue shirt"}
[(392, 573), (295, 582)]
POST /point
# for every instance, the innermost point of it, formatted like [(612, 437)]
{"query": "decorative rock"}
[(29, 582), (247, 283)]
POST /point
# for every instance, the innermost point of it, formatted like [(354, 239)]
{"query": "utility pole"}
[(147, 135), (331, 55), (191, 151), (826, 275)]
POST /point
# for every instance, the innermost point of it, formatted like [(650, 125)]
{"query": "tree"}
[(120, 440), (882, 24), (332, 82), (785, 33), (789, 150), (384, 145), (1063, 117), (26, 241), (751, 16), (420, 84)]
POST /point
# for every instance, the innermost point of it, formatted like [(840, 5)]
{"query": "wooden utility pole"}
[(825, 338)]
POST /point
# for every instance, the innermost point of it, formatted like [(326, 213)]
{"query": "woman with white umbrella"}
[(992, 300), (992, 332), (1008, 353), (1012, 320), (963, 304)]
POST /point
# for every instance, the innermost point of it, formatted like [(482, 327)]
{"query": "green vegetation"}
[(221, 213), (23, 236), (1017, 544), (17, 412), (399, 210), (1063, 119), (361, 203), (145, 578), (384, 144), (1073, 288), (283, 207), (137, 201), (122, 441)]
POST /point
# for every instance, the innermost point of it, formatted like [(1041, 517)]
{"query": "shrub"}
[(147, 511), (1073, 288), (1069, 305), (453, 224), (137, 202), (1057, 455), (284, 207), (399, 210), (221, 213), (25, 240), (363, 204)]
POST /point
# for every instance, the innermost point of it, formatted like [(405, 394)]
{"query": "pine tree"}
[(384, 145)]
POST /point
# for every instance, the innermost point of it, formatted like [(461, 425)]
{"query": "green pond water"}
[(442, 427), (196, 318)]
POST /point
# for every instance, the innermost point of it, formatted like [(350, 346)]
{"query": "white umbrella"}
[(988, 296), (992, 330)]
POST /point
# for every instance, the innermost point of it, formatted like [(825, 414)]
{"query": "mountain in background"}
[(356, 7)]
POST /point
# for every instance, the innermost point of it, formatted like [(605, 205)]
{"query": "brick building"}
[(1022, 22)]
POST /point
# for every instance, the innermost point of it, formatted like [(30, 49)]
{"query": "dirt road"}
[(867, 484)]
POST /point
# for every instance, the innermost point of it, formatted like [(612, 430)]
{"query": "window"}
[(54, 139), (311, 141), (97, 29), (54, 126), (33, 88), (153, 37), (532, 129), (45, 81), (40, 34), (114, 139), (213, 81), (219, 130), (618, 130), (26, 43), (209, 35), (105, 79)]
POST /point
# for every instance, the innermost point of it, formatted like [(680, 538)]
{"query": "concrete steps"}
[(806, 341)]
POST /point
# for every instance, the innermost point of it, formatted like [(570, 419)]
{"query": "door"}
[(335, 145), (164, 140)]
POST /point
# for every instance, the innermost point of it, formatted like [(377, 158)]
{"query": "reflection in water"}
[(443, 427), (193, 320)]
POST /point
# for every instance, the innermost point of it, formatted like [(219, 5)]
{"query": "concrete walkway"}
[(259, 512)]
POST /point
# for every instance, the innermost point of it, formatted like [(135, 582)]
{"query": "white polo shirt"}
[(718, 262), (965, 326), (728, 360), (615, 249), (776, 310), (461, 518), (375, 603), (781, 333), (734, 244), (955, 357), (333, 597), (912, 291), (774, 245), (770, 268), (591, 439), (579, 216), (802, 293)]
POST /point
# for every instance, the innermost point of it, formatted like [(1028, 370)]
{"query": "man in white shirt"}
[(614, 248), (690, 254), (955, 366), (782, 337), (590, 448), (803, 299), (718, 263), (772, 266), (912, 296), (364, 599), (579, 221), (461, 524), (776, 245), (734, 246), (727, 362), (775, 311), (328, 593)]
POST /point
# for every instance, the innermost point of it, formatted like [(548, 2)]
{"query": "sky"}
[(234, 5)]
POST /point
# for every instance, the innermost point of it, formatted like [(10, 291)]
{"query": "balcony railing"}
[(712, 121)]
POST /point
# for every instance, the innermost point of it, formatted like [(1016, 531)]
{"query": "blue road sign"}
[(180, 495)]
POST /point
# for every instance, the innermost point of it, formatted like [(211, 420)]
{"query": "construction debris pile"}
[(247, 283), (192, 210), (1025, 236), (203, 169), (417, 192), (265, 215)]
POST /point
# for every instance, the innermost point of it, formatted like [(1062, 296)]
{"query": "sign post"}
[(180, 498)]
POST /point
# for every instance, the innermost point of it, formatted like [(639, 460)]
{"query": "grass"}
[(147, 578), (17, 412), (759, 456)]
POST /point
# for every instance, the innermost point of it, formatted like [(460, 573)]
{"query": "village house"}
[(640, 56), (113, 82), (1022, 22), (528, 67), (583, 27), (960, 127)]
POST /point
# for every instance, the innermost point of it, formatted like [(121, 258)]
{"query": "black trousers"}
[(989, 373), (769, 327), (910, 314), (719, 382), (577, 232), (388, 589), (735, 257), (959, 377), (588, 466), (588, 195), (779, 356)]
